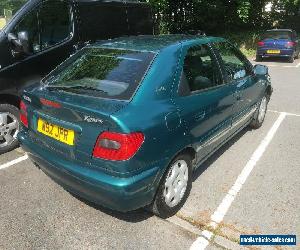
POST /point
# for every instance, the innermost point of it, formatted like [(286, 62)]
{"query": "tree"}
[(216, 16), (13, 5)]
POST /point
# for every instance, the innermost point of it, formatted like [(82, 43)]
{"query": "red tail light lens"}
[(290, 45), (117, 146), (261, 44), (23, 114), (50, 103)]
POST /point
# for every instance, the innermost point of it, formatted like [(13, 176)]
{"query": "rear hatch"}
[(79, 120), (74, 104), (277, 39)]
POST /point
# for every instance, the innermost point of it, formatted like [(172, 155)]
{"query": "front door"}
[(204, 101), (50, 30), (238, 71)]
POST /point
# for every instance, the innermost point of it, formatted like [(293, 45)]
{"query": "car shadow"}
[(142, 214), (131, 217), (274, 59), (206, 164)]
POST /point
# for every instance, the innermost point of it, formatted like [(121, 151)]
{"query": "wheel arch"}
[(10, 99), (189, 150), (269, 91)]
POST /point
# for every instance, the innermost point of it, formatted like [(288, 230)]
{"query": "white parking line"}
[(279, 112), (298, 65), (289, 66), (283, 66), (272, 65), (203, 241), (13, 162)]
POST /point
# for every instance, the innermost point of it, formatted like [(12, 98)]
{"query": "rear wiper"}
[(75, 87)]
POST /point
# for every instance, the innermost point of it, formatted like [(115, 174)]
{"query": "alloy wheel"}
[(262, 109), (9, 128)]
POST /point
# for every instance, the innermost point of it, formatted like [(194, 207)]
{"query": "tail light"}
[(261, 44), (23, 114), (290, 45), (117, 146)]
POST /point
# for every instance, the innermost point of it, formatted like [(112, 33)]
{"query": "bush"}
[(246, 41)]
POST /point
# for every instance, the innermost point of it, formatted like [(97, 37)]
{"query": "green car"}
[(124, 123)]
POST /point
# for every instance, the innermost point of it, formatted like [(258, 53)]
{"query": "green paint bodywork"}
[(198, 124)]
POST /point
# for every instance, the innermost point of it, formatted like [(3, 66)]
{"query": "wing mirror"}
[(260, 70), (20, 44)]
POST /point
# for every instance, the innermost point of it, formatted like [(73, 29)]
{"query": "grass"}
[(246, 41)]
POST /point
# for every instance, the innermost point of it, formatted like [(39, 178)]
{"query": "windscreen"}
[(286, 35), (107, 73)]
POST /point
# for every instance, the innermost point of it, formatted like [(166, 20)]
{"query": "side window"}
[(200, 70), (235, 65), (29, 24), (55, 23)]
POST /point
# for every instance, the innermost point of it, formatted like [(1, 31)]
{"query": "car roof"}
[(152, 43)]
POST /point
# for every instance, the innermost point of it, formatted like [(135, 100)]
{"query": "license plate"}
[(56, 132), (273, 51)]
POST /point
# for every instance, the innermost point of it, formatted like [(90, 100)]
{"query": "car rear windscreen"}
[(107, 73), (286, 35)]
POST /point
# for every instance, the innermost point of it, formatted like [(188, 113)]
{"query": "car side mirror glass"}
[(261, 70), (19, 43)]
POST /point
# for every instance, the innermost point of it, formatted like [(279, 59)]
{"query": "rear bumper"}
[(121, 194), (283, 52)]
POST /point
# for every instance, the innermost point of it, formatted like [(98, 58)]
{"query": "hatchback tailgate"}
[(85, 116)]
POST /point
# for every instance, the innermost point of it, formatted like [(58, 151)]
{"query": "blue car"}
[(124, 123), (282, 43)]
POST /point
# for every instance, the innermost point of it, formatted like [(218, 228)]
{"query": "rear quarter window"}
[(277, 35), (107, 73)]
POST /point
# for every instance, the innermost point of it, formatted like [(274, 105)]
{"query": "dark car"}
[(124, 123), (44, 33), (282, 43)]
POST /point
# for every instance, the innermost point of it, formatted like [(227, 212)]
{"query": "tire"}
[(258, 58), (260, 113), (167, 203), (291, 59), (9, 127)]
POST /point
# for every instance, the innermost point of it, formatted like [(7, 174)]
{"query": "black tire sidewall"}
[(255, 123), (14, 111), (160, 207)]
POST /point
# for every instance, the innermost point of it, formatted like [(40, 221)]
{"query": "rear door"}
[(204, 101), (238, 72)]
